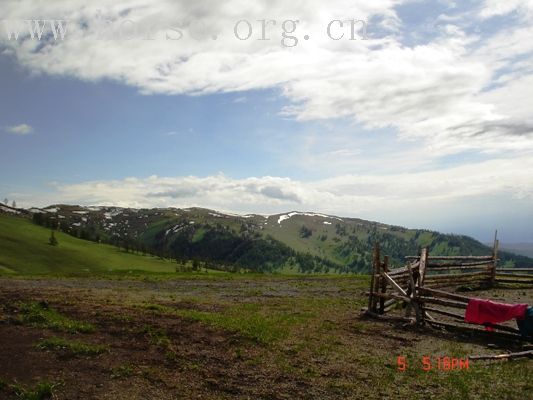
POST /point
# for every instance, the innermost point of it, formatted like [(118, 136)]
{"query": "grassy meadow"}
[(76, 323)]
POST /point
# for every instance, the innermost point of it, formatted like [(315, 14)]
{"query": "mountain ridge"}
[(299, 241)]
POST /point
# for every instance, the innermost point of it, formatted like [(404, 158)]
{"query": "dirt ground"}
[(158, 346)]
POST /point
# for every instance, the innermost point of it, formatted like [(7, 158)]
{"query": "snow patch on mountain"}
[(283, 218), (174, 229), (292, 214), (9, 210), (112, 213)]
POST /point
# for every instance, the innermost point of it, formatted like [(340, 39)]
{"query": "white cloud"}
[(346, 195), (22, 129), (493, 8), (432, 93)]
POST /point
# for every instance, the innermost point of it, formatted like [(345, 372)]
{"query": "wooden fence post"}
[(419, 307), (385, 267), (411, 291), (376, 266), (423, 265), (372, 279), (495, 259)]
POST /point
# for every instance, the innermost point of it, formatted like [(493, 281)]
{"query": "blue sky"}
[(105, 130), (425, 124)]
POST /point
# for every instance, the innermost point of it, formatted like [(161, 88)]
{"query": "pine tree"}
[(14, 204), (53, 241), (6, 201), (195, 265)]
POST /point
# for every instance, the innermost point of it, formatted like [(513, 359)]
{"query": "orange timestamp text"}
[(437, 363)]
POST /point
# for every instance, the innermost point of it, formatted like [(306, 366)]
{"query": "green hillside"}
[(290, 242), (24, 249)]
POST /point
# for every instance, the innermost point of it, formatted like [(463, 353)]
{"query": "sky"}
[(413, 113)]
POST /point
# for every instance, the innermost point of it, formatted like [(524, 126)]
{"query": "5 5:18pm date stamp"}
[(432, 363)]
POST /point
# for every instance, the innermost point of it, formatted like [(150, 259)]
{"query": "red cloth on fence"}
[(488, 312)]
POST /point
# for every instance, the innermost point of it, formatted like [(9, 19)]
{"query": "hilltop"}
[(289, 242)]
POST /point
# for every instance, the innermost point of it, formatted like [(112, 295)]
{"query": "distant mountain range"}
[(524, 249), (294, 241)]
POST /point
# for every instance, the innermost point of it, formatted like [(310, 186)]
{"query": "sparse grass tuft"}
[(155, 307), (73, 347), (171, 356), (41, 316), (123, 371), (158, 337), (42, 391)]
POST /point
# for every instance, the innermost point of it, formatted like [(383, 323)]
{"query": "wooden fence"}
[(415, 288)]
